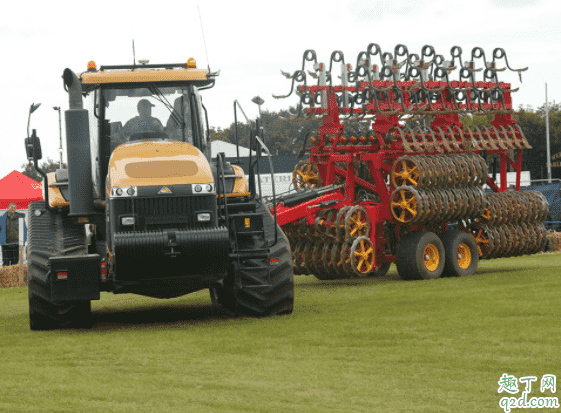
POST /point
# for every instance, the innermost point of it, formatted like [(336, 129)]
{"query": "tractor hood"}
[(158, 163)]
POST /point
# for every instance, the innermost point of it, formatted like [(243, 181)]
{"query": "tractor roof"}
[(147, 73)]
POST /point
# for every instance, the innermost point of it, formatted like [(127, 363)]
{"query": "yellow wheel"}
[(405, 171), (404, 205), (363, 256), (357, 222), (306, 176), (431, 257), (464, 256), (461, 254)]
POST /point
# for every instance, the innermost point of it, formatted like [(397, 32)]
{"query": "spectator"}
[(10, 251)]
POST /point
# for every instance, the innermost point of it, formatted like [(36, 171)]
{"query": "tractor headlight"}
[(203, 217), (124, 192), (202, 188)]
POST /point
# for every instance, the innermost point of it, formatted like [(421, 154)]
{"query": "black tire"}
[(410, 256), (53, 234), (247, 291), (458, 242), (381, 271)]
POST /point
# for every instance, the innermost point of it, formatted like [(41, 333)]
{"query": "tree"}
[(28, 169), (282, 134), (532, 124)]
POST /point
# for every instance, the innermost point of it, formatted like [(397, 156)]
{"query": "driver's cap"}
[(144, 102)]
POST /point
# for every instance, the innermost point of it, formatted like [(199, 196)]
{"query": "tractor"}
[(144, 208)]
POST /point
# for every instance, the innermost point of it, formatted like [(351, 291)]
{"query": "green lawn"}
[(376, 345)]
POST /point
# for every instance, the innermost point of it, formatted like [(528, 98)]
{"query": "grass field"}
[(376, 345)]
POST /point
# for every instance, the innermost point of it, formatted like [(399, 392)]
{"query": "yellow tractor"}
[(143, 207)]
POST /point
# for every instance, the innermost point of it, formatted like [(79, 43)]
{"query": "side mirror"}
[(32, 108), (33, 147)]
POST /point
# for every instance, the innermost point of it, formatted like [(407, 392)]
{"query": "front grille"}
[(162, 213)]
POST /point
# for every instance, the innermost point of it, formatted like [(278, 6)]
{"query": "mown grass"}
[(381, 345)]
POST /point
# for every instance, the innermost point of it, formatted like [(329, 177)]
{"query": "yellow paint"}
[(431, 257), (240, 184), (55, 196), (143, 75), (158, 163), (464, 256)]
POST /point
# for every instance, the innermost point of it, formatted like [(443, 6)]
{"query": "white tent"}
[(229, 149)]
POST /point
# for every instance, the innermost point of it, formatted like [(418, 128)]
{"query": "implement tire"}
[(420, 256), (247, 291), (461, 254), (53, 234)]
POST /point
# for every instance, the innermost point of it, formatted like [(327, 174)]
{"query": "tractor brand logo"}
[(165, 190)]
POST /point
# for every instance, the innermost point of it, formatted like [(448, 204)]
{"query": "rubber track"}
[(52, 234), (262, 294)]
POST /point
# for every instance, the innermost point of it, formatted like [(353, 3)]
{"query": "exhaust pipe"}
[(80, 185)]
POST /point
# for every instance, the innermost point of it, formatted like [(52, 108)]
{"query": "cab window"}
[(150, 114)]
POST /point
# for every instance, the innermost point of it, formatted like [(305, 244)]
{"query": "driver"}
[(144, 122)]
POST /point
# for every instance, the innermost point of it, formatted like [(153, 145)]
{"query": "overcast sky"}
[(250, 42)]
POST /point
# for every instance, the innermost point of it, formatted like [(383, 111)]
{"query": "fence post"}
[(21, 281)]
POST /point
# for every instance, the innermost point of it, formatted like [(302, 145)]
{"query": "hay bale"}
[(554, 241), (14, 275), (10, 276)]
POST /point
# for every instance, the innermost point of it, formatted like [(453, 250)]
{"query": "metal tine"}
[(297, 76), (499, 53), (444, 74), (456, 52), (309, 56), (370, 52), (423, 87), (375, 90), (401, 50), (478, 53), (437, 59)]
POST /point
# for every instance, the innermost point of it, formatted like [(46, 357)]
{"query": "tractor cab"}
[(144, 103)]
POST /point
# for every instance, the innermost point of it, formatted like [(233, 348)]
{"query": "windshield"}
[(151, 113)]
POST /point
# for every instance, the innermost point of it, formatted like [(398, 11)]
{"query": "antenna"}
[(133, 54), (204, 42)]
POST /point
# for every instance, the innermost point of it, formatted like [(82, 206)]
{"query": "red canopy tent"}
[(18, 188)]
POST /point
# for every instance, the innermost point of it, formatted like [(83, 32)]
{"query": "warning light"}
[(62, 275), (247, 223), (92, 66), (273, 261), (191, 63)]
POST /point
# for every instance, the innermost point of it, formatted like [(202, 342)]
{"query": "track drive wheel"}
[(420, 256), (256, 286), (53, 234), (461, 254)]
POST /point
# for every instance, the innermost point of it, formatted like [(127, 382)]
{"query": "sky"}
[(250, 43)]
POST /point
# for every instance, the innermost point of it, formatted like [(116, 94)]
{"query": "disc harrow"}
[(439, 171), (390, 193), (421, 207)]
